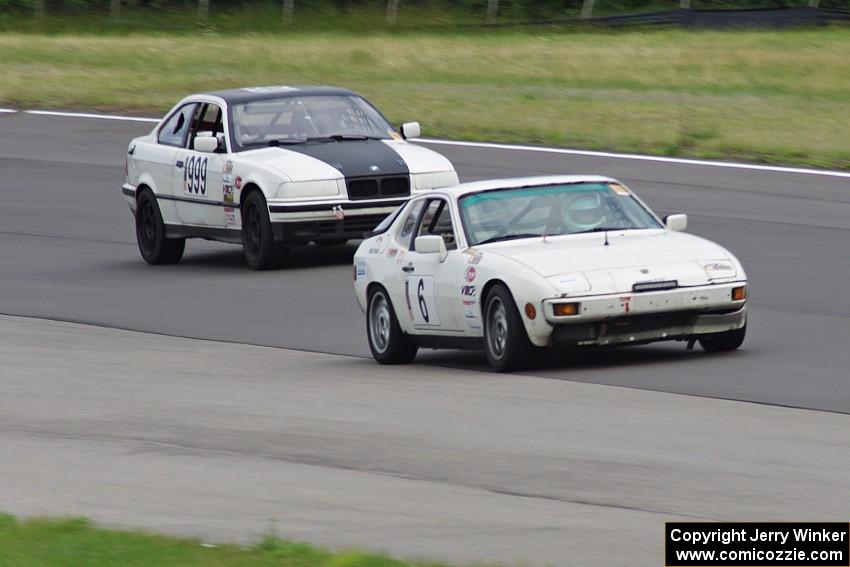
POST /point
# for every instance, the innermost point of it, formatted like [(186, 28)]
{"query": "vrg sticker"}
[(471, 313), (420, 300), (468, 290), (195, 176)]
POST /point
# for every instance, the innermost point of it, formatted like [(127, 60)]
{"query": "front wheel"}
[(150, 233), (258, 246), (506, 344), (722, 342), (388, 343)]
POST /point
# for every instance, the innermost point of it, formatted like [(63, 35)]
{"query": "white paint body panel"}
[(541, 271), (284, 177)]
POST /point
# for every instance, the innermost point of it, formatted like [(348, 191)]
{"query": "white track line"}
[(7, 111), (85, 115), (682, 161), (536, 149)]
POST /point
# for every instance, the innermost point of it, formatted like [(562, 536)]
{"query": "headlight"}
[(302, 189), (719, 269), (434, 180), (570, 283)]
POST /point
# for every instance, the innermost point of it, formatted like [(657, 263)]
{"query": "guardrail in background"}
[(683, 16)]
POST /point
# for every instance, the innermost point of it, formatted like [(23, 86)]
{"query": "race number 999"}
[(420, 300), (195, 175)]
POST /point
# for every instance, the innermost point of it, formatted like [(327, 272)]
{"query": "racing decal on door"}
[(195, 176), (420, 300)]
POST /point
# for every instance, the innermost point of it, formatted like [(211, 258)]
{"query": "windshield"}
[(300, 119), (551, 210)]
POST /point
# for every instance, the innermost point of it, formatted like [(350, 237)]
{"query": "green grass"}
[(761, 95), (77, 543)]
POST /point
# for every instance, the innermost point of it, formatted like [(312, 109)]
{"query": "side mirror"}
[(431, 244), (676, 223), (205, 142), (411, 130)]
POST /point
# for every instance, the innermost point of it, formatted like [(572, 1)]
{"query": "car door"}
[(432, 289), (198, 176), (157, 158)]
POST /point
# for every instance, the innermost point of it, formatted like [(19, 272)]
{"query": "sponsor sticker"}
[(470, 274), (391, 253), (619, 189), (360, 266), (468, 290)]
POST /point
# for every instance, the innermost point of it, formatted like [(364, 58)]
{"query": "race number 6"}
[(421, 303)]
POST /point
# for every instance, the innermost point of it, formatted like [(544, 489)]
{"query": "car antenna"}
[(606, 237)]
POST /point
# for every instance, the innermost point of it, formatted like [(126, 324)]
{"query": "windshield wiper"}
[(604, 229), (341, 138), (509, 237), (286, 142)]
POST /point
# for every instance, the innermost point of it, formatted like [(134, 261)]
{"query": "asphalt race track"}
[(68, 252)]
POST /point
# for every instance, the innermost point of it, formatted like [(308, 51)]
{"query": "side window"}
[(173, 132), (208, 119), (437, 220), (405, 235)]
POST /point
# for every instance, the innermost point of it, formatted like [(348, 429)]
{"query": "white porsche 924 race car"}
[(565, 261), (268, 167)]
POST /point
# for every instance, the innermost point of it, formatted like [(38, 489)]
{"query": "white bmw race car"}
[(563, 261), (268, 167)]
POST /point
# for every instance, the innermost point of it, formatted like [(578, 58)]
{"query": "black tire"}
[(150, 233), (506, 343), (388, 343), (260, 250), (723, 342)]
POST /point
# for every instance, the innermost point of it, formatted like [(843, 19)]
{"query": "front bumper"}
[(129, 193), (296, 222), (646, 317)]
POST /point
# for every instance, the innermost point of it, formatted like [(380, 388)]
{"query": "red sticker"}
[(470, 274)]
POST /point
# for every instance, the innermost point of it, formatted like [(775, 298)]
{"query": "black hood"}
[(355, 158)]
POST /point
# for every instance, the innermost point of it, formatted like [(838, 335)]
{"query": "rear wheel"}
[(150, 233), (258, 246), (722, 342), (388, 343), (506, 344)]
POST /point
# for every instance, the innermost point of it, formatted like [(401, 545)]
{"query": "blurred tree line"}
[(515, 9)]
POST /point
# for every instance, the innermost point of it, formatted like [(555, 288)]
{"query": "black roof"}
[(249, 94)]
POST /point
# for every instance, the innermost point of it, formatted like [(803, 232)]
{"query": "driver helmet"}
[(586, 212)]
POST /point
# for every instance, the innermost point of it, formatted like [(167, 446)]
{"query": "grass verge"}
[(769, 96), (77, 543)]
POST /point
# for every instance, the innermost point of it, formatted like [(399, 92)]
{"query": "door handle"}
[(179, 164), (408, 268)]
